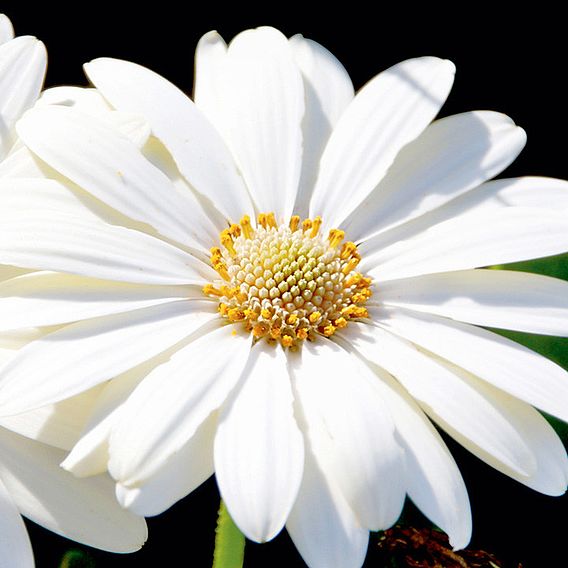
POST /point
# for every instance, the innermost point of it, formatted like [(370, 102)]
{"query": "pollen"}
[(287, 283)]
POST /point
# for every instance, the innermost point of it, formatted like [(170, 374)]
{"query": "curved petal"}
[(433, 480), (22, 67), (81, 355), (91, 102), (39, 194), (77, 245), (6, 29), (449, 158), (109, 166), (471, 241), (82, 510), (15, 546), (199, 151), (47, 298), (550, 475), (183, 472), (263, 103), (472, 414), (494, 298), (259, 450), (529, 192), (351, 431), (210, 61), (166, 409), (321, 524), (90, 455), (499, 361), (59, 424), (385, 115), (327, 91)]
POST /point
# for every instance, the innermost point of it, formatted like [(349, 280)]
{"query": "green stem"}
[(229, 542)]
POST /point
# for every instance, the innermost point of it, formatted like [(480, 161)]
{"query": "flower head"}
[(279, 281)]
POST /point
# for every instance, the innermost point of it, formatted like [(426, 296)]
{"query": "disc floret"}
[(287, 283)]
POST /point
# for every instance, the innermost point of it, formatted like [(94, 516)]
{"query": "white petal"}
[(450, 157), (550, 475), (91, 102), (198, 149), (110, 167), (15, 546), (90, 454), (433, 480), (532, 192), (184, 471), (46, 298), (351, 431), (321, 524), (66, 243), (82, 510), (471, 241), (263, 103), (474, 415), (89, 352), (6, 29), (327, 91), (22, 67), (259, 450), (499, 361), (388, 113), (210, 59), (494, 298), (59, 424), (41, 195), (168, 406)]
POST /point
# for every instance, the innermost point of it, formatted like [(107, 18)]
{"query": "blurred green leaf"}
[(76, 558)]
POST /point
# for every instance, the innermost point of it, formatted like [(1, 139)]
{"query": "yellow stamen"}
[(335, 237), (221, 268), (261, 219), (275, 332), (329, 330), (271, 220), (227, 241), (251, 314), (302, 334), (287, 341), (247, 228), (292, 319), (314, 317), (348, 250), (235, 230), (294, 222), (315, 227), (350, 266), (265, 313), (260, 330), (223, 308), (235, 314), (340, 323), (306, 225), (210, 290)]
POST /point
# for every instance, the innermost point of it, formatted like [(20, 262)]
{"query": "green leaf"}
[(76, 558)]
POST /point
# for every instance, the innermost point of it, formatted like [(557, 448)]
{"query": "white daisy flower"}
[(31, 482), (281, 285)]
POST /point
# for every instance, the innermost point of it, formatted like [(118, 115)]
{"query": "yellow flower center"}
[(287, 283)]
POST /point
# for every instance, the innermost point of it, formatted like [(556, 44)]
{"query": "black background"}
[(513, 63)]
